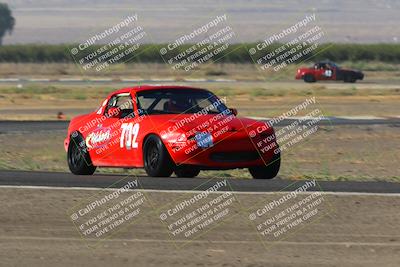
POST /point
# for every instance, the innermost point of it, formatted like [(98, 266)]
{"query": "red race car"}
[(168, 129), (328, 71)]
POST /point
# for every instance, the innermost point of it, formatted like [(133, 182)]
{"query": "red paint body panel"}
[(319, 74)]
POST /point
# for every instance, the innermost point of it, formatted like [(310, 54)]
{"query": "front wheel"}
[(349, 79), (269, 171), (79, 161), (157, 162)]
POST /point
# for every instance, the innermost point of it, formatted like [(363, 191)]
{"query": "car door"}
[(123, 142), (322, 72), (330, 72)]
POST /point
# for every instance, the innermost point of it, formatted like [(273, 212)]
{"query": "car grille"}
[(234, 156)]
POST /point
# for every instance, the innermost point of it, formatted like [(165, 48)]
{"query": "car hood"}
[(188, 122)]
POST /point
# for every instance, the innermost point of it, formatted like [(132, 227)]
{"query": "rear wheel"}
[(79, 161), (157, 161), (187, 171), (267, 172), (309, 78)]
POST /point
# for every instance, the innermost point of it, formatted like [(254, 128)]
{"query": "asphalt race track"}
[(60, 179)]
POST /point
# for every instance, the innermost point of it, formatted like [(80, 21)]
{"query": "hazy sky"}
[(67, 21)]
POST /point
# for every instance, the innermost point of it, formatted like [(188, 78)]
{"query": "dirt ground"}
[(353, 230)]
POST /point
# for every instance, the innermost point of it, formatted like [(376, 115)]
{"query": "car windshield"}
[(323, 65), (177, 101)]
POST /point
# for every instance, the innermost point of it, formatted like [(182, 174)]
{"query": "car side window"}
[(123, 102)]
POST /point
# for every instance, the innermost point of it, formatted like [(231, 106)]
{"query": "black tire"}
[(186, 171), (157, 161), (349, 78), (79, 161), (267, 172), (309, 78)]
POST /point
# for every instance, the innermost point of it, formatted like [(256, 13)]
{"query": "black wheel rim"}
[(75, 156), (153, 156)]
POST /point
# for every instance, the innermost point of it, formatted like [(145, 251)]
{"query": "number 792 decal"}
[(129, 135)]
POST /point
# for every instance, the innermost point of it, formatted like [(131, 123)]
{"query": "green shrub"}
[(235, 53)]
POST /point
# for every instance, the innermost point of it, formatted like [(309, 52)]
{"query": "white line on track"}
[(195, 80), (70, 80), (39, 80), (9, 80), (331, 118), (167, 79), (132, 79), (224, 80), (100, 80), (327, 243), (197, 191)]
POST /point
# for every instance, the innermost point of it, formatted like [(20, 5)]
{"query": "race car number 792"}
[(129, 135)]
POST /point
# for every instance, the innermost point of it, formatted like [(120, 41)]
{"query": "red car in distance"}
[(166, 129), (328, 71)]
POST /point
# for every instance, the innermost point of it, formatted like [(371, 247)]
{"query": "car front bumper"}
[(237, 150)]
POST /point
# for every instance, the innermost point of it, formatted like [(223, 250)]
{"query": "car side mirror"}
[(114, 112), (233, 111)]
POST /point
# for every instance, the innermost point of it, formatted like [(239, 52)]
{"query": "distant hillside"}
[(68, 21)]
